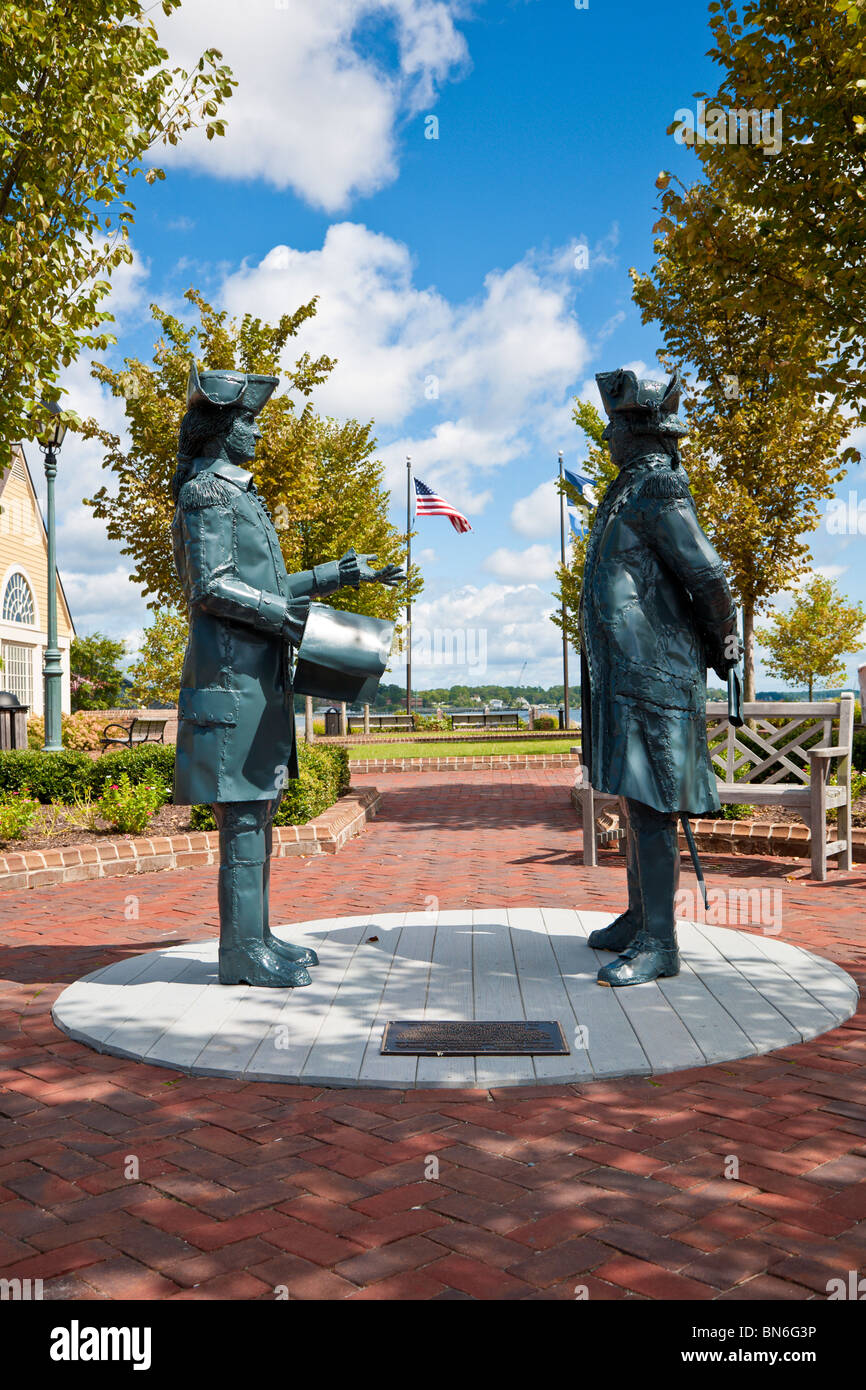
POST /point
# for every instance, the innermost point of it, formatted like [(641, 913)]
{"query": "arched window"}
[(18, 605)]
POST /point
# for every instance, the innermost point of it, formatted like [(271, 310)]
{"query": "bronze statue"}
[(655, 612), (236, 731)]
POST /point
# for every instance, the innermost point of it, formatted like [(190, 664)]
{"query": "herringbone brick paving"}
[(119, 1180)]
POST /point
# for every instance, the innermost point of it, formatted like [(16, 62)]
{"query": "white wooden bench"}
[(765, 765)]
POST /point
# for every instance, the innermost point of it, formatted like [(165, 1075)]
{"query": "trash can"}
[(561, 717), (13, 721), (332, 723)]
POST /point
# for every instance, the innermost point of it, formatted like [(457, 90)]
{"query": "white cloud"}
[(128, 280), (315, 109), (538, 514), (484, 633), (536, 562), (494, 399), (103, 601), (491, 371)]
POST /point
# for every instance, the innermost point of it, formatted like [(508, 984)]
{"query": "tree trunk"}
[(749, 654), (309, 731), (810, 687)]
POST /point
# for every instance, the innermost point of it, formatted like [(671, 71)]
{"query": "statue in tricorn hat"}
[(236, 729), (655, 612)]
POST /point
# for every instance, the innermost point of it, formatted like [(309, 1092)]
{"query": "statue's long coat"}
[(236, 722), (654, 613)]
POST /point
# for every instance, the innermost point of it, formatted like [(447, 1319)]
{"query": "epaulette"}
[(665, 483), (205, 490)]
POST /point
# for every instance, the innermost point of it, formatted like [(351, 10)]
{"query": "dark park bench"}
[(130, 735), (495, 719), (381, 723)]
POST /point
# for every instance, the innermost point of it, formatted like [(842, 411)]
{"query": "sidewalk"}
[(615, 1188)]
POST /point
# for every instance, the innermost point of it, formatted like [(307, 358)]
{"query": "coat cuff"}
[(272, 611), (327, 578), (295, 615)]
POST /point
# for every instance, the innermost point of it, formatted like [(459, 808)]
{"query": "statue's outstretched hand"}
[(391, 575)]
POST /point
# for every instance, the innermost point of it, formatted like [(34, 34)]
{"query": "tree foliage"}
[(85, 93), (806, 644), (156, 674), (791, 225), (765, 444), (96, 671), (318, 476)]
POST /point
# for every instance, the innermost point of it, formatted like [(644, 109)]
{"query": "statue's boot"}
[(302, 955), (646, 959), (244, 956), (653, 953), (621, 932)]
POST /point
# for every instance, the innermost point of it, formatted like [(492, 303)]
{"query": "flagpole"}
[(564, 633), (408, 593)]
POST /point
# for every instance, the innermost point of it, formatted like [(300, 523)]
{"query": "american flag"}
[(429, 503)]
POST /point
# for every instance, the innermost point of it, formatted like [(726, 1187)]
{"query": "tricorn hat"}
[(229, 388), (657, 401)]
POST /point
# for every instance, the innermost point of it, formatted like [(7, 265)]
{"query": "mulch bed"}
[(64, 832)]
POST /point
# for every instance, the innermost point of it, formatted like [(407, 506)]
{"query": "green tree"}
[(155, 675), (804, 256), (764, 449), (318, 476), (96, 671), (85, 93), (806, 644)]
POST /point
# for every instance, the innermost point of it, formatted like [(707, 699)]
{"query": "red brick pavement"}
[(616, 1187)]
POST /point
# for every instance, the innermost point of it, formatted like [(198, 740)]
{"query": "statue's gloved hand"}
[(295, 619), (350, 569), (392, 575), (724, 653)]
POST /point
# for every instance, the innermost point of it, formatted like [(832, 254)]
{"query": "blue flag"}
[(584, 488)]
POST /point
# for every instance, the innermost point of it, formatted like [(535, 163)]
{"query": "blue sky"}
[(446, 267)]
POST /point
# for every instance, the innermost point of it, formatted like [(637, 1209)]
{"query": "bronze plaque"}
[(458, 1038)]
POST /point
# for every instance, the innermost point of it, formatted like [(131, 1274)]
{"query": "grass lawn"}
[(479, 748)]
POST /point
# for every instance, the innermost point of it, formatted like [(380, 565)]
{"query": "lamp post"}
[(566, 703), (52, 667)]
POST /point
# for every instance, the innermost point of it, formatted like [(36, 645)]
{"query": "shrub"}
[(325, 777), (61, 776), (428, 723), (150, 762), (201, 818), (17, 810), (858, 753), (858, 785), (128, 806), (82, 730), (546, 721), (736, 811)]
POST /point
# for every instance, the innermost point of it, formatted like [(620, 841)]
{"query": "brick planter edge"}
[(326, 834)]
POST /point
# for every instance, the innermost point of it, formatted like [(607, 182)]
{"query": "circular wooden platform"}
[(738, 994)]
